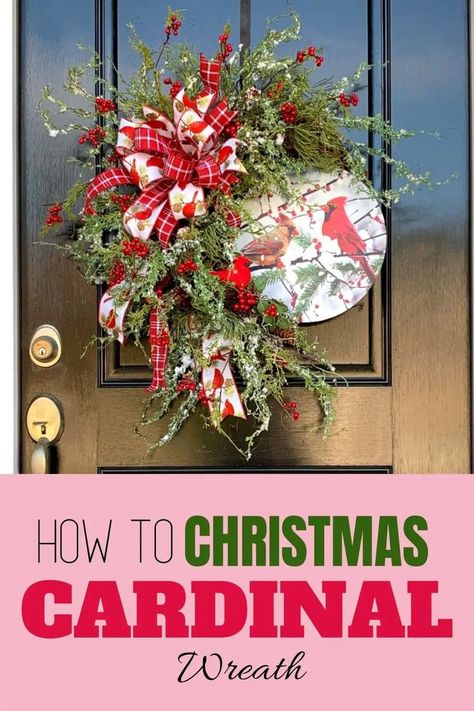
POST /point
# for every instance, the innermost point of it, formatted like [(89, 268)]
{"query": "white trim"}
[(8, 380)]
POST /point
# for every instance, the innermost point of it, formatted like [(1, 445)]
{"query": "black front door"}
[(405, 350)]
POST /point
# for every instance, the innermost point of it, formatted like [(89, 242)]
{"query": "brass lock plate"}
[(44, 419), (45, 346)]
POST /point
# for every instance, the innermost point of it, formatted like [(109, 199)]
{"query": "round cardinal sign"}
[(321, 254)]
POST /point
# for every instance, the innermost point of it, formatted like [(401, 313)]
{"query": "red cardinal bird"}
[(268, 250), (110, 321), (239, 274), (129, 131), (337, 226), (155, 161), (134, 174)]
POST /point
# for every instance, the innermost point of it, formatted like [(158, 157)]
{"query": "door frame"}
[(9, 353)]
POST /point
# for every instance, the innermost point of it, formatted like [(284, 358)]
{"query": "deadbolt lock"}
[(45, 346)]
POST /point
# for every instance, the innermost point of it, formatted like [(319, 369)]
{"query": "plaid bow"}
[(173, 162)]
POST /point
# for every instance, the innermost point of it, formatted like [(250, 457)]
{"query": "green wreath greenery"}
[(287, 121)]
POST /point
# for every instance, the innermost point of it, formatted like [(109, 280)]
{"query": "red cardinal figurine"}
[(239, 274), (337, 226)]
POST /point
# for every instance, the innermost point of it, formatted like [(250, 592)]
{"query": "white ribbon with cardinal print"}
[(223, 397)]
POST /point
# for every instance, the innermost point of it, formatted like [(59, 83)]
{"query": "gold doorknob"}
[(45, 346)]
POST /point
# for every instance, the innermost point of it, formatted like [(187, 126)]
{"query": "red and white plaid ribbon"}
[(159, 341), (210, 70)]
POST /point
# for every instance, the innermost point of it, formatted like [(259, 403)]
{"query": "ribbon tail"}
[(111, 316), (108, 179), (210, 71), (159, 341), (218, 382), (232, 218)]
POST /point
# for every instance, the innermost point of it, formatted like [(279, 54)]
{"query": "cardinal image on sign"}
[(321, 255)]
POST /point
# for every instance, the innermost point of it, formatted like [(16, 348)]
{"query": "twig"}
[(309, 192), (305, 260)]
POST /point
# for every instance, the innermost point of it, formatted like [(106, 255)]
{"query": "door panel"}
[(430, 238), (379, 424)]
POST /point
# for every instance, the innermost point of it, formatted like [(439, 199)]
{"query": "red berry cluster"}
[(123, 200), (275, 90), (289, 112), (53, 214), (271, 311), (246, 301), (232, 129), (226, 47), (135, 246), (186, 384), (203, 397), (95, 136), (290, 407), (173, 26), (175, 89), (160, 339), (187, 267), (117, 273), (309, 52), (103, 106), (348, 100)]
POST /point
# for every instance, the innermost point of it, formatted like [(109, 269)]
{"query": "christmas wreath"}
[(202, 169)]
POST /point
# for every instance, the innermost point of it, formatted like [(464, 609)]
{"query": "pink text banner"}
[(236, 591)]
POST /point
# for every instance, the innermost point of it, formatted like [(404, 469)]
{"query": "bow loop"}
[(220, 116), (161, 123), (149, 140)]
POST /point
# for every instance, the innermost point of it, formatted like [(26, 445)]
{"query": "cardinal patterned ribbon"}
[(112, 312), (173, 163), (222, 395)]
